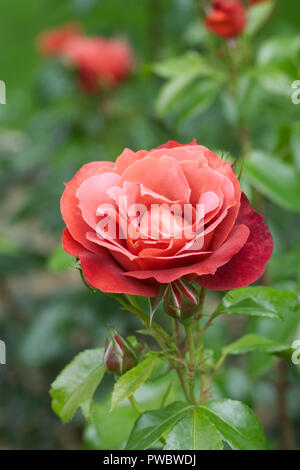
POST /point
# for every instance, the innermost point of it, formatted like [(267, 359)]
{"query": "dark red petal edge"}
[(249, 264)]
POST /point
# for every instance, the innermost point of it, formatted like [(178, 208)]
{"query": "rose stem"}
[(191, 373), (177, 335)]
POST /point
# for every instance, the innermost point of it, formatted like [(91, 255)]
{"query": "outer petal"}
[(92, 193), (102, 272), (249, 264), (128, 157), (69, 203)]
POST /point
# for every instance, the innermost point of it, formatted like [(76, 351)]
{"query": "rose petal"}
[(209, 265), (163, 176), (92, 193), (70, 211), (128, 157), (249, 263), (102, 272)]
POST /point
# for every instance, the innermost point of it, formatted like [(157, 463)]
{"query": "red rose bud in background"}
[(51, 42), (119, 356), (227, 18), (99, 61), (181, 301)]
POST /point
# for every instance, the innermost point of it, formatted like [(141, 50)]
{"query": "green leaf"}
[(102, 431), (132, 380), (151, 425), (274, 80), (278, 49), (251, 342), (295, 145), (156, 301), (172, 91), (276, 180), (258, 301), (198, 98), (171, 68), (259, 363), (237, 424), (76, 384), (257, 16), (194, 432), (88, 409), (181, 73)]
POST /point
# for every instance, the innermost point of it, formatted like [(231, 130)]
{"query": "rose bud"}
[(172, 302), (227, 18), (189, 300), (119, 356), (181, 301), (51, 42), (101, 63)]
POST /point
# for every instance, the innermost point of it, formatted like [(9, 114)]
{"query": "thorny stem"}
[(182, 379), (203, 382), (211, 374), (191, 372), (162, 338), (175, 351), (200, 305), (177, 335)]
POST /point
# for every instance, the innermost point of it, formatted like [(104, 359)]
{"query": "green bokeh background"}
[(47, 131)]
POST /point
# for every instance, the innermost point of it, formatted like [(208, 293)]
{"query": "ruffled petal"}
[(209, 265), (70, 211), (102, 272), (163, 175), (249, 263)]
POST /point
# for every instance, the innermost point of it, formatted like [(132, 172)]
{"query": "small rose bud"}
[(172, 301), (119, 356), (181, 301), (189, 300)]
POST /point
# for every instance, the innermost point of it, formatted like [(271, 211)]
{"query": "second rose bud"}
[(119, 355)]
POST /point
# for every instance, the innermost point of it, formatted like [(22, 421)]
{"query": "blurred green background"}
[(48, 129)]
